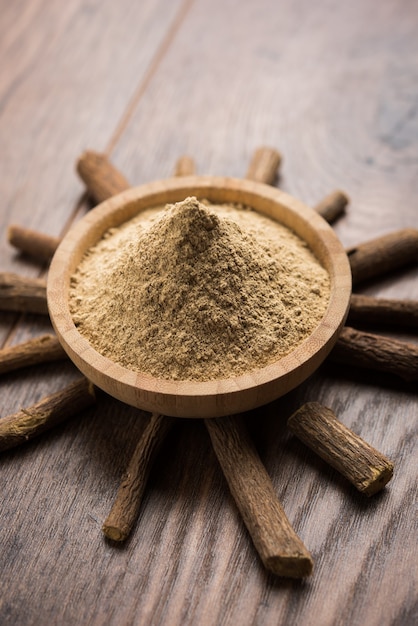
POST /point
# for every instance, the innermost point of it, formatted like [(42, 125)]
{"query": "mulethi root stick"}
[(24, 295), (43, 349), (185, 166), (383, 254), (332, 206), (102, 179), (364, 466), (125, 509), (33, 243), (281, 550), (376, 352), (264, 165), (31, 421)]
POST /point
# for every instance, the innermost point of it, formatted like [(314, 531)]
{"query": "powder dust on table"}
[(196, 291)]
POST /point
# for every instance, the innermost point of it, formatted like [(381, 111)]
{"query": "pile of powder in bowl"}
[(195, 291)]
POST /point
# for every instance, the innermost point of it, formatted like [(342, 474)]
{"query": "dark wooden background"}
[(333, 86)]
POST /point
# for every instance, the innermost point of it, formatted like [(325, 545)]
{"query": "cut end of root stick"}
[(382, 475), (298, 566), (114, 533)]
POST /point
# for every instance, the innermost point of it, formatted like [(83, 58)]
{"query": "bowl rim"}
[(211, 398)]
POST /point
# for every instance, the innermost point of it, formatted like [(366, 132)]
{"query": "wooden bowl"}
[(217, 397)]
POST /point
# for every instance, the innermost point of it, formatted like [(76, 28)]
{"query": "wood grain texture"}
[(64, 85), (333, 86)]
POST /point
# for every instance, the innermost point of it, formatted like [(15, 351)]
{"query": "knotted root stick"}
[(31, 421), (376, 352), (279, 547), (125, 509), (364, 466), (43, 349)]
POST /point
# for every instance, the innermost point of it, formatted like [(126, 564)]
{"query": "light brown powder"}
[(198, 292)]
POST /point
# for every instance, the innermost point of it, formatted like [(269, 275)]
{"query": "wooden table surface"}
[(333, 86)]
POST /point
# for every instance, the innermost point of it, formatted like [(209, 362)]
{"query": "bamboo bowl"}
[(216, 397)]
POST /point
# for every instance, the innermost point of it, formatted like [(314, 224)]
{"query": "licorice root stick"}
[(383, 254), (364, 466), (279, 547), (332, 206), (383, 311), (102, 179), (264, 165), (43, 349), (20, 294), (125, 509), (376, 352), (37, 245), (29, 422), (185, 166)]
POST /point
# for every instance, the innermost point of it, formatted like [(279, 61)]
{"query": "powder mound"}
[(196, 296)]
